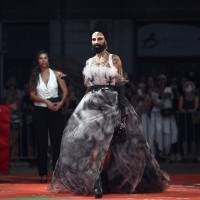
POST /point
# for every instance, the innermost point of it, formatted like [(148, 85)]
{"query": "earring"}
[(106, 46)]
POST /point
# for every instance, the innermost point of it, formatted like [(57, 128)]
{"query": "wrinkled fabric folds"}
[(86, 140)]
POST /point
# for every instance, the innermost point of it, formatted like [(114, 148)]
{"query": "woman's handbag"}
[(167, 112), (120, 134)]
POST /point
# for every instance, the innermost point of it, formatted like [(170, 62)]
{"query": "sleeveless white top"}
[(47, 91), (101, 74)]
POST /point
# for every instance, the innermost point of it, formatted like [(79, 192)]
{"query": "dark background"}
[(25, 29)]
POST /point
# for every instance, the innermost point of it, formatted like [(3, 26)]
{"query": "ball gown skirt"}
[(86, 139)]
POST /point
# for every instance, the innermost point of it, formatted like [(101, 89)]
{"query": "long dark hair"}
[(34, 78)]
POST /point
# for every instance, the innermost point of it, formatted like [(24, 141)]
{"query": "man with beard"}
[(95, 157), (99, 46)]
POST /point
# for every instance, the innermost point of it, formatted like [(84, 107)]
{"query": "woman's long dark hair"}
[(34, 78), (65, 64)]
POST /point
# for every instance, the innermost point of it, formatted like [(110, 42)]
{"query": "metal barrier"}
[(22, 141), (172, 138), (175, 137)]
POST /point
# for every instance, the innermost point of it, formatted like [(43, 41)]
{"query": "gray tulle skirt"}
[(86, 139)]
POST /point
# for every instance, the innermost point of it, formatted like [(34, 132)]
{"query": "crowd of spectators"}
[(169, 111), (172, 137)]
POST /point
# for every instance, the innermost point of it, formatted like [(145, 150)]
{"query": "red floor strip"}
[(184, 187)]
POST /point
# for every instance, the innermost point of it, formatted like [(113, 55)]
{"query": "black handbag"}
[(167, 112), (120, 134)]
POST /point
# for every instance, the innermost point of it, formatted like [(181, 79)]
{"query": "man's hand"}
[(60, 74)]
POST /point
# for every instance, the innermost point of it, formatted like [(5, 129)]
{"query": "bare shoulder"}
[(116, 59), (56, 72), (58, 75)]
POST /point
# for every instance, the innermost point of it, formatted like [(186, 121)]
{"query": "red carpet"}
[(184, 187)]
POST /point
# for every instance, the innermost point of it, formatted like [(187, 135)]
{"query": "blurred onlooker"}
[(27, 103), (28, 138), (193, 76), (12, 81), (176, 89), (14, 101), (151, 85), (188, 105), (142, 105), (142, 101), (182, 80), (165, 129), (129, 93)]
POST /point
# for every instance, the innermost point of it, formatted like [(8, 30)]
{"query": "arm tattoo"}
[(115, 60)]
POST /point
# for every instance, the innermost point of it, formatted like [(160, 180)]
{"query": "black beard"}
[(99, 49)]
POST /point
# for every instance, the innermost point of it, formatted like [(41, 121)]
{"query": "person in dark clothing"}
[(188, 104), (47, 115)]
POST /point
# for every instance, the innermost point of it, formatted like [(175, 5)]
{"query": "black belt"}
[(103, 87)]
